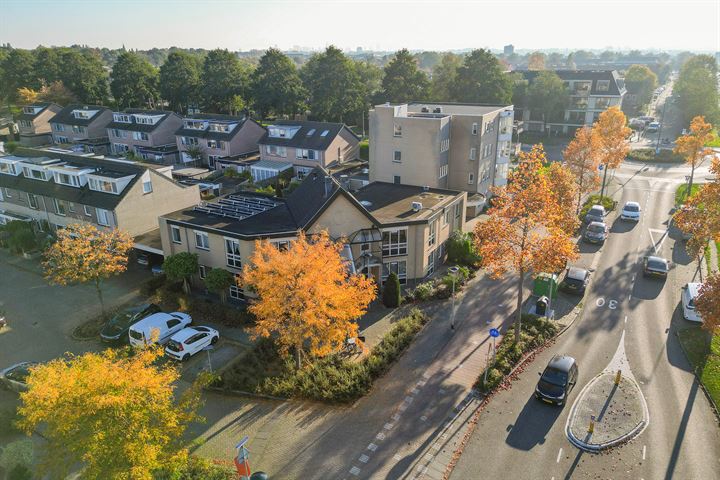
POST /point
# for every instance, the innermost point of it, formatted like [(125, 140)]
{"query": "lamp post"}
[(453, 271)]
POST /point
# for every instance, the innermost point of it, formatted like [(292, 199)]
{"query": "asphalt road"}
[(518, 437)]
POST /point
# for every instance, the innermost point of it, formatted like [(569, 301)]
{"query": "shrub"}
[(648, 155), (391, 291), (364, 150), (19, 452), (180, 267), (8, 416), (461, 248), (11, 147), (219, 280), (219, 313), (424, 291), (606, 202), (20, 237), (150, 286), (195, 468)]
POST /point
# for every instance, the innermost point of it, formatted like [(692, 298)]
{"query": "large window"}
[(140, 136), (202, 241), (275, 150), (103, 217), (59, 207), (431, 235), (603, 85), (188, 140), (66, 179), (394, 242), (175, 234), (232, 253), (305, 154), (103, 186), (235, 291), (398, 268), (397, 156)]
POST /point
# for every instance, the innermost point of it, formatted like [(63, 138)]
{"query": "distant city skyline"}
[(648, 25)]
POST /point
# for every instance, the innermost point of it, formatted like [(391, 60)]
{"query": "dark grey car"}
[(558, 379), (595, 214)]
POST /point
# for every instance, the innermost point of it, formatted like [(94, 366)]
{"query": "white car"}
[(630, 211), (689, 297), (158, 328), (189, 341)]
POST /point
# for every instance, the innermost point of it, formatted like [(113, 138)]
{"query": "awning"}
[(347, 255), (366, 235)]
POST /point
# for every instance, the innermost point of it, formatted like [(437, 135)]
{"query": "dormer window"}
[(65, 179), (121, 117), (30, 110), (84, 114), (275, 131), (311, 132), (195, 124), (36, 174), (145, 120), (9, 167), (103, 186), (219, 127), (603, 85)]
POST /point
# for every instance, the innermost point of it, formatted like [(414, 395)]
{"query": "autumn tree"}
[(27, 95), (305, 295), (611, 137), (691, 146), (114, 413), (181, 266), (82, 253), (561, 182), (521, 234), (581, 159), (536, 61), (708, 302)]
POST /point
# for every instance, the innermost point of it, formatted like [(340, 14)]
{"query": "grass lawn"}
[(704, 355), (715, 142), (717, 249), (680, 193)]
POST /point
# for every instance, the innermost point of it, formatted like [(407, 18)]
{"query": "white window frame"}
[(232, 259), (471, 178), (202, 271), (147, 186), (33, 198), (86, 209), (202, 240), (103, 217), (473, 153), (235, 291), (394, 247), (57, 204), (397, 156), (474, 128), (398, 267), (432, 233), (397, 130), (175, 235)]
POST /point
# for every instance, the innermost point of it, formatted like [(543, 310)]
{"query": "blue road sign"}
[(494, 332)]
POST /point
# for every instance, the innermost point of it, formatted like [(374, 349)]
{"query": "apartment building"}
[(34, 123), (385, 227), (308, 144), (591, 92), (84, 127), (147, 134), (211, 136), (53, 190), (441, 145)]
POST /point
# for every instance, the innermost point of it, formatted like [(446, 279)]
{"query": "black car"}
[(116, 330), (576, 280), (655, 267), (557, 380)]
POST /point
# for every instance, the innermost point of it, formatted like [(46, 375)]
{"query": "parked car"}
[(15, 377), (630, 211), (189, 341), (595, 214), (647, 119), (116, 330), (690, 293), (596, 232), (157, 328), (653, 127), (558, 379), (576, 280), (655, 267)]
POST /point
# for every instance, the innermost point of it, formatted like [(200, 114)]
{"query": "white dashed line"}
[(396, 417), (644, 451), (557, 460), (423, 418), (355, 471), (364, 458), (397, 457), (380, 436), (388, 426), (372, 447), (625, 318)]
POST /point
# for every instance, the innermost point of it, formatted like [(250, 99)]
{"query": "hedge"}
[(606, 202), (648, 155)]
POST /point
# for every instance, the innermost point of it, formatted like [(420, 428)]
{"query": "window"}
[(487, 150), (324, 133), (219, 127), (396, 179), (445, 145), (7, 168), (86, 209), (121, 118), (471, 178), (147, 186), (235, 291), (58, 127), (215, 144), (431, 234), (78, 129), (103, 186), (59, 207), (431, 263), (305, 154), (489, 127), (7, 193), (394, 242), (202, 270), (66, 179), (202, 241), (188, 140), (59, 139), (140, 136), (103, 217), (443, 171), (397, 156), (474, 128), (397, 130), (232, 253), (447, 216), (71, 207), (275, 150), (282, 245), (473, 153), (458, 210), (398, 268), (32, 200), (175, 234), (603, 85)]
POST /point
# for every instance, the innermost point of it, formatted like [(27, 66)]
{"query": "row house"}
[(147, 134), (54, 191), (82, 127), (385, 227), (307, 145), (34, 123), (204, 138)]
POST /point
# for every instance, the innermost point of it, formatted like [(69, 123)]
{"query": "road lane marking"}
[(372, 447), (625, 318), (557, 460), (658, 244), (644, 450), (355, 471)]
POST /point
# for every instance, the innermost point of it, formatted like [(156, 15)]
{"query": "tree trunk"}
[(602, 190), (577, 208), (518, 316), (186, 286), (690, 183), (100, 297), (298, 352)]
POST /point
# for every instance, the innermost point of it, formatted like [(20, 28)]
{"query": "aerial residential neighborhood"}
[(359, 240)]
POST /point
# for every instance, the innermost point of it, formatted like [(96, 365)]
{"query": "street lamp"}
[(453, 271)]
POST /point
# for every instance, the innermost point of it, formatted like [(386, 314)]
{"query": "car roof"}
[(656, 259), (636, 204), (599, 224), (694, 289), (596, 207), (152, 320), (561, 362), (577, 273), (184, 334)]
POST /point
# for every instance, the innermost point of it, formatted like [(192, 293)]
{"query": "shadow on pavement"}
[(532, 425), (622, 226), (648, 288), (672, 463), (675, 355)]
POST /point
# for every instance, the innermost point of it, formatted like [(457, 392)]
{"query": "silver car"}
[(595, 214), (15, 377)]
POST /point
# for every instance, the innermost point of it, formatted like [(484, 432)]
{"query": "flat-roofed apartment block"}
[(214, 136), (147, 134), (83, 127), (34, 124), (386, 227), (305, 145), (54, 190), (441, 145)]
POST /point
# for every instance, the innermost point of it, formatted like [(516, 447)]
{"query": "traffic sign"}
[(494, 332)]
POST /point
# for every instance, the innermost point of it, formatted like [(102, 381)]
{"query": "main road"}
[(519, 438)]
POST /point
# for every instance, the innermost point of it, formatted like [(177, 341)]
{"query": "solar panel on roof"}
[(237, 206)]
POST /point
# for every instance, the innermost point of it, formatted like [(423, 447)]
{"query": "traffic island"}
[(607, 413)]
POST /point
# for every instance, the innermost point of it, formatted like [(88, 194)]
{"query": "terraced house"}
[(34, 123), (147, 134), (204, 137), (385, 227), (83, 127), (57, 190)]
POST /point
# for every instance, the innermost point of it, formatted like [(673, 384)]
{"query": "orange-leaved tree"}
[(582, 159), (521, 234), (708, 302), (83, 253), (306, 295), (561, 182), (612, 145), (691, 146), (116, 414)]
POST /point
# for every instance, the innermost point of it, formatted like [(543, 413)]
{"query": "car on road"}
[(646, 119), (116, 330), (157, 328), (690, 293), (596, 232), (15, 377), (595, 214), (630, 211), (655, 267), (576, 280), (188, 341), (558, 379), (653, 127)]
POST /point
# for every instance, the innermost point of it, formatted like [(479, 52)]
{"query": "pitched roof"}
[(212, 135), (309, 136), (29, 116), (616, 83), (66, 117), (141, 127)]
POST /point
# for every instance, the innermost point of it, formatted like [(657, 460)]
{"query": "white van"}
[(158, 328), (689, 297)]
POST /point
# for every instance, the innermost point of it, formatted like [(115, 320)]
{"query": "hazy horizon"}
[(372, 24)]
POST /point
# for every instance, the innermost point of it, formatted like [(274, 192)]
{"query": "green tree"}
[(21, 238), (276, 86), (548, 95), (180, 80), (17, 71), (696, 89), (134, 82), (443, 78), (223, 78), (461, 249), (370, 81), (219, 280), (481, 79), (181, 266), (520, 88), (333, 86), (47, 65), (640, 81), (402, 80), (391, 291), (83, 73)]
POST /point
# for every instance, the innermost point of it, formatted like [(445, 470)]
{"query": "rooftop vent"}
[(416, 206)]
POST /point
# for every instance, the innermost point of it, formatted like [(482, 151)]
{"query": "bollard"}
[(592, 424), (618, 376)]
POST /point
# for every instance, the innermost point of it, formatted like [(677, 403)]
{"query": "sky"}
[(370, 24)]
